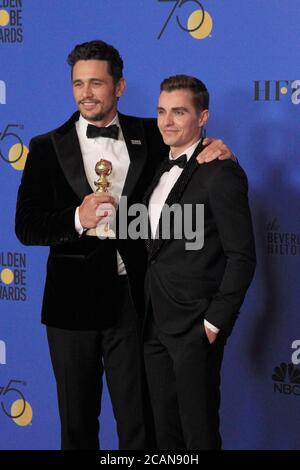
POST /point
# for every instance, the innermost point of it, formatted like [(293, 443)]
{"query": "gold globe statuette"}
[(103, 169)]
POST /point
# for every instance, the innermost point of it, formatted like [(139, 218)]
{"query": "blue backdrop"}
[(247, 53)]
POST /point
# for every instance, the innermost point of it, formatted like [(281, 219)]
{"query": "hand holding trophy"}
[(103, 169)]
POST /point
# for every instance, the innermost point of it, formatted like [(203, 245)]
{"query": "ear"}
[(120, 87), (203, 117)]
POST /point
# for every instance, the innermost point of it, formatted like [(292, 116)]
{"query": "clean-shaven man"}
[(193, 293)]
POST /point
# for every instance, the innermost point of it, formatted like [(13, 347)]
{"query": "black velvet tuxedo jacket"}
[(211, 282), (82, 271)]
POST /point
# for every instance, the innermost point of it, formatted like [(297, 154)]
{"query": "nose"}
[(168, 119), (87, 91)]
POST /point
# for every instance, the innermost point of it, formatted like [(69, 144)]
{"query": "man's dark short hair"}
[(98, 50), (187, 82)]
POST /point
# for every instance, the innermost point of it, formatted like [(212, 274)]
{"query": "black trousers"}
[(183, 376), (79, 359)]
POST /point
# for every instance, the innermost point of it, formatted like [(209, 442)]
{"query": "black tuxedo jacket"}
[(82, 271), (211, 282)]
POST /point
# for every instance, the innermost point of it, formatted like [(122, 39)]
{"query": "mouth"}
[(170, 131), (89, 105)]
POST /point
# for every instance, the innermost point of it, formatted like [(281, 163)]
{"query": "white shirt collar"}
[(188, 152)]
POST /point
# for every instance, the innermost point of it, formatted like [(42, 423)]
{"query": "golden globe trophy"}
[(103, 169)]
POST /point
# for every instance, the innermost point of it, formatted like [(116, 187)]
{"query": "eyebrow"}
[(88, 80), (177, 108)]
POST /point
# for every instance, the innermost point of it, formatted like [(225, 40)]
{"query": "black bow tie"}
[(180, 161), (112, 132)]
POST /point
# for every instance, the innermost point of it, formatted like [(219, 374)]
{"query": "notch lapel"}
[(133, 132)]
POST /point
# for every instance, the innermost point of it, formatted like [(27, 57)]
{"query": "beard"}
[(96, 116)]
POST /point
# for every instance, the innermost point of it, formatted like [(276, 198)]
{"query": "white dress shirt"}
[(160, 194), (92, 150)]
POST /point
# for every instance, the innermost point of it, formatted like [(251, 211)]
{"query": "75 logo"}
[(12, 148), (6, 391), (199, 23), (14, 404)]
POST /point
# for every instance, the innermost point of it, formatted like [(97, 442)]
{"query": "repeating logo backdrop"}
[(245, 52)]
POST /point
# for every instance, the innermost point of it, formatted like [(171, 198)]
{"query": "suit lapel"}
[(133, 132), (66, 144), (153, 184), (150, 241), (175, 193), (68, 151)]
